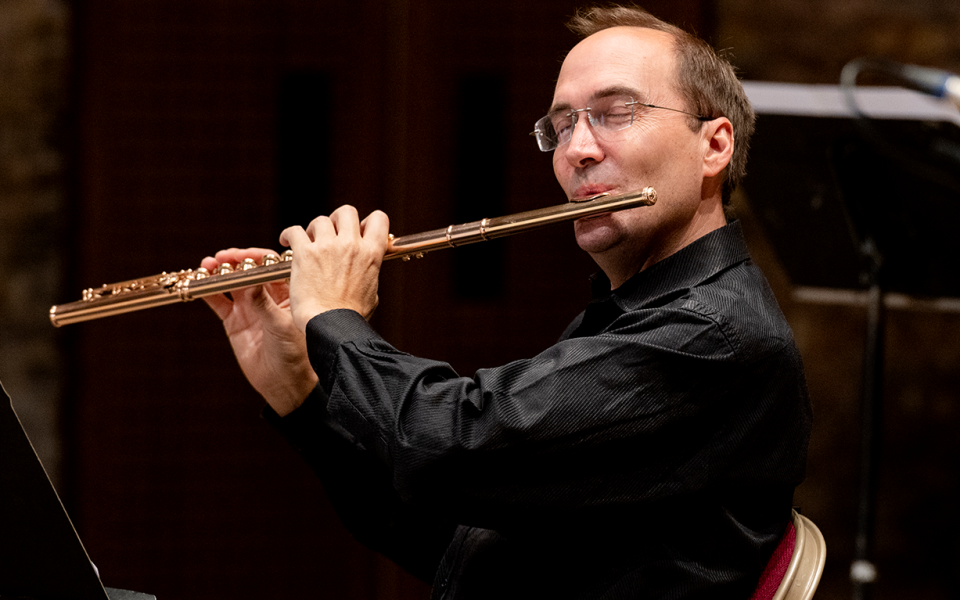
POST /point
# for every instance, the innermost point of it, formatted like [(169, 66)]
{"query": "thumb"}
[(260, 301), (273, 316), (220, 304)]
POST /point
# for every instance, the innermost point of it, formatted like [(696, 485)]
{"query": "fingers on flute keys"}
[(233, 259)]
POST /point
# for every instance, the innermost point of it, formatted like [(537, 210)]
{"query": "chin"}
[(594, 236)]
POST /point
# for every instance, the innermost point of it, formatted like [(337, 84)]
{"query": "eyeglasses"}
[(607, 116)]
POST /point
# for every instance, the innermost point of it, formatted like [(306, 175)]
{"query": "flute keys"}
[(167, 279), (246, 265)]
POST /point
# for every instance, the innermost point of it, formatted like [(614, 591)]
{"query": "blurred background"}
[(138, 137)]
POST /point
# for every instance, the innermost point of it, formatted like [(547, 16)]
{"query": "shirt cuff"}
[(326, 332), (301, 424)]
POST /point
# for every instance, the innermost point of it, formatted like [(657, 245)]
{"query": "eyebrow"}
[(615, 90)]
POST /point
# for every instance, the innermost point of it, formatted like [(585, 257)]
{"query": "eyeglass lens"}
[(606, 116)]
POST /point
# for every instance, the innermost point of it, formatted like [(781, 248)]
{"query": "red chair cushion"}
[(777, 566)]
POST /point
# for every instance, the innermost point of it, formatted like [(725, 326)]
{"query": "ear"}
[(718, 135)]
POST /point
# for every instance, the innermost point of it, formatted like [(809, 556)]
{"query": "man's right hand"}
[(271, 350)]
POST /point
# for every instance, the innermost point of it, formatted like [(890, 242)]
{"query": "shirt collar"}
[(699, 261)]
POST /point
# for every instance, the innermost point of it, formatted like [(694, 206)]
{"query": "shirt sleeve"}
[(643, 412)]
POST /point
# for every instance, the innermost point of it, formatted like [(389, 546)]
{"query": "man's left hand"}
[(336, 263)]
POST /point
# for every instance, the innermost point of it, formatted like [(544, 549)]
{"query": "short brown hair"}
[(707, 81)]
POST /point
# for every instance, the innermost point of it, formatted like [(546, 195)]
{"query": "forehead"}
[(620, 57)]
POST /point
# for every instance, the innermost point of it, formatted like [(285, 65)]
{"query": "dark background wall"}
[(180, 127)]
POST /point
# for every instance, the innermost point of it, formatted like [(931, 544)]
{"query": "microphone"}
[(935, 82)]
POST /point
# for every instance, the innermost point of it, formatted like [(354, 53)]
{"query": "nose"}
[(583, 148)]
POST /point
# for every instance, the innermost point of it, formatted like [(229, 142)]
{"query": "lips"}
[(586, 191)]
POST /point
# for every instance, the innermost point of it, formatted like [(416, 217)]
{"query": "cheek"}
[(558, 164)]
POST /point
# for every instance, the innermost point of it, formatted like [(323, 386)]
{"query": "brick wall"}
[(809, 41), (34, 55)]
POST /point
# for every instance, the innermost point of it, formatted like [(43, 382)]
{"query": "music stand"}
[(41, 556), (859, 204)]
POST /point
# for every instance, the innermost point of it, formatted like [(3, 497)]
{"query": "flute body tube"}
[(171, 288)]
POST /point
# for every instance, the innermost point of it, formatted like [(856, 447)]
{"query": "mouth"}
[(588, 192)]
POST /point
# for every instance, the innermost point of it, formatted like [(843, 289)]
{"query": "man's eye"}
[(617, 116), (562, 126)]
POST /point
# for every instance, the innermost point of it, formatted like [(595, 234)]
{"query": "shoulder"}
[(743, 308), (730, 315)]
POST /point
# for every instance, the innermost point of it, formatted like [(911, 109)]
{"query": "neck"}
[(626, 260)]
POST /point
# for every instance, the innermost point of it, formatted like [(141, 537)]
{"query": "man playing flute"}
[(652, 452)]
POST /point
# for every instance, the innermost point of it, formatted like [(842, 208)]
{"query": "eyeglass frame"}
[(538, 133)]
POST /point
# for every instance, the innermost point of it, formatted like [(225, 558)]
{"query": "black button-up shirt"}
[(651, 453)]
